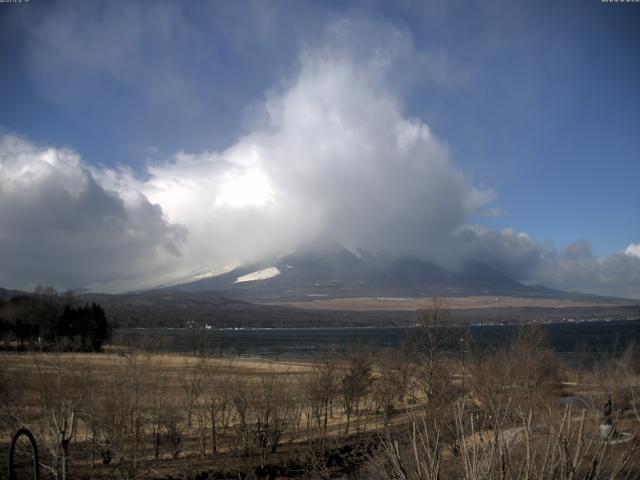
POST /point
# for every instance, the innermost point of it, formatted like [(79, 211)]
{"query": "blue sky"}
[(534, 103)]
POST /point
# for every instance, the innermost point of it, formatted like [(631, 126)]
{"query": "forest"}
[(48, 321)]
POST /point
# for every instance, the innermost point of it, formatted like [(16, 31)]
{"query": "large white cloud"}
[(330, 155), (60, 227), (333, 158)]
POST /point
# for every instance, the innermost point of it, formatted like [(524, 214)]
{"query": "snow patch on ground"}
[(259, 275), (201, 276)]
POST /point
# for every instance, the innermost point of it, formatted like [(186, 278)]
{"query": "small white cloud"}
[(633, 250)]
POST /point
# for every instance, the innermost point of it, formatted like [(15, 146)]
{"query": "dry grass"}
[(454, 303), (34, 387)]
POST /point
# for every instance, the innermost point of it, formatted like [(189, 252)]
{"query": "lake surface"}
[(592, 338)]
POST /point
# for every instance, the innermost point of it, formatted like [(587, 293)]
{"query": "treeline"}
[(49, 321), (170, 309)]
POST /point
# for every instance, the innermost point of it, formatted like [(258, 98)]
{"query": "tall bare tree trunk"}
[(214, 437)]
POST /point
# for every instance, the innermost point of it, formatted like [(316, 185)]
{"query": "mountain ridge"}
[(337, 272)]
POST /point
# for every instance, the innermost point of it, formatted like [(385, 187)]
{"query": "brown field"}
[(134, 414), (453, 303), (73, 377)]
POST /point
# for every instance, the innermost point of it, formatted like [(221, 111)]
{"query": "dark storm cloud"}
[(574, 267), (60, 227)]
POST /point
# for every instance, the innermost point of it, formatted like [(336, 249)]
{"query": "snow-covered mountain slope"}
[(333, 271)]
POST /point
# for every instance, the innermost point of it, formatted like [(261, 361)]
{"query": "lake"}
[(590, 337)]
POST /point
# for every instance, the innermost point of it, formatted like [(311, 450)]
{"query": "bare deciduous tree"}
[(217, 392), (524, 373), (321, 389), (60, 403), (191, 385), (356, 382), (122, 419)]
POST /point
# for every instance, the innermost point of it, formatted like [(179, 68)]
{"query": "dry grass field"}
[(454, 303), (416, 414), (159, 387)]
